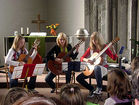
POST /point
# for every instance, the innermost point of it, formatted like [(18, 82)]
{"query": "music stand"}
[(28, 70)]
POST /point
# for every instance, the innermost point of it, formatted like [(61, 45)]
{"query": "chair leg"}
[(7, 80), (56, 82), (74, 77)]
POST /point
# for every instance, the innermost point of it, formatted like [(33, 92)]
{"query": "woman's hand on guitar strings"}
[(21, 63), (59, 60), (90, 61)]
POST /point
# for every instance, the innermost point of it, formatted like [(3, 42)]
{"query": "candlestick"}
[(22, 31), (15, 33), (27, 30)]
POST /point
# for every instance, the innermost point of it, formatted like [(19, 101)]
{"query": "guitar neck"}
[(28, 55), (100, 53), (80, 42), (69, 53), (113, 41)]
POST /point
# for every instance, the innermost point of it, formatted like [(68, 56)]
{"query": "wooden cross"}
[(39, 21)]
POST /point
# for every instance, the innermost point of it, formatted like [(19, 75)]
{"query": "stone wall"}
[(114, 18)]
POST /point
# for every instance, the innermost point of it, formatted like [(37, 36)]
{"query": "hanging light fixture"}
[(82, 34)]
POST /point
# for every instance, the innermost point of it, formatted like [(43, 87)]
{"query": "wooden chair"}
[(4, 69), (62, 77)]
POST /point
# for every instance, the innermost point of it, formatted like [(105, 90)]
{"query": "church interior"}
[(45, 19)]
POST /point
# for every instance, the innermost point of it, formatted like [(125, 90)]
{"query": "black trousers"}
[(30, 84), (81, 79), (72, 66), (50, 76)]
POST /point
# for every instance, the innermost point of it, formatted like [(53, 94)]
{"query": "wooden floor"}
[(40, 82), (44, 89)]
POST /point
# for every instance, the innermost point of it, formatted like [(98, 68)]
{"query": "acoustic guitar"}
[(26, 58), (56, 67), (96, 58)]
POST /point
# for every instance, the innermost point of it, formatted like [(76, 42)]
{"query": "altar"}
[(46, 43)]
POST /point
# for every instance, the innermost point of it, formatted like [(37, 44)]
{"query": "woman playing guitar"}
[(96, 45), (55, 55), (12, 59)]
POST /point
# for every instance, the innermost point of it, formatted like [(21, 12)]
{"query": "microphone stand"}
[(120, 63)]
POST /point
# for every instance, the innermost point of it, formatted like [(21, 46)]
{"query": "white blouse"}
[(9, 59)]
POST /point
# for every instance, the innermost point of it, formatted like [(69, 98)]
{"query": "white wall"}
[(68, 13), (19, 13), (15, 14)]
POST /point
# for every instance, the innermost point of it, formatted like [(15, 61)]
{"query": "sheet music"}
[(38, 70), (75, 66), (83, 66), (65, 66), (17, 72)]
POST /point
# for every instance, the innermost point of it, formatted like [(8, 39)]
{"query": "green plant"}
[(137, 46)]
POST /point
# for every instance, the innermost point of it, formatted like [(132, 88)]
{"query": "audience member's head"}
[(13, 95), (35, 99), (70, 94), (135, 85), (135, 63), (118, 84), (57, 101)]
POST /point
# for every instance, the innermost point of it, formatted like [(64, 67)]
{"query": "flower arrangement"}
[(52, 28)]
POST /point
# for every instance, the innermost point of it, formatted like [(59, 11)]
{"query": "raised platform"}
[(40, 82)]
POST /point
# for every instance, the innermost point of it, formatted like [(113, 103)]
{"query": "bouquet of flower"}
[(52, 28)]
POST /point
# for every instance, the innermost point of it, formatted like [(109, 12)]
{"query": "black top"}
[(56, 50)]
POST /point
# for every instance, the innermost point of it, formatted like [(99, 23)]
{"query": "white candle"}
[(21, 30), (27, 30), (15, 33)]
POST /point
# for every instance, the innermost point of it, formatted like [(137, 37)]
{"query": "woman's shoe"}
[(53, 90)]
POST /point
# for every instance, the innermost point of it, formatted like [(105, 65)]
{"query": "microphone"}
[(120, 56), (121, 50)]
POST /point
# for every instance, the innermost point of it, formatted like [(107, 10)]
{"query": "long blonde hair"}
[(16, 41), (96, 36), (61, 35)]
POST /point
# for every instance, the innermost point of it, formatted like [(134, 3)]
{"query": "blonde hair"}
[(118, 83), (17, 39), (61, 35), (96, 36)]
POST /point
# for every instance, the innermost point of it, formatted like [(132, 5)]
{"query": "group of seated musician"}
[(56, 56), (60, 53)]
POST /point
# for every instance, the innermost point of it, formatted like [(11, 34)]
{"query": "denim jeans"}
[(14, 82), (98, 76), (97, 72)]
